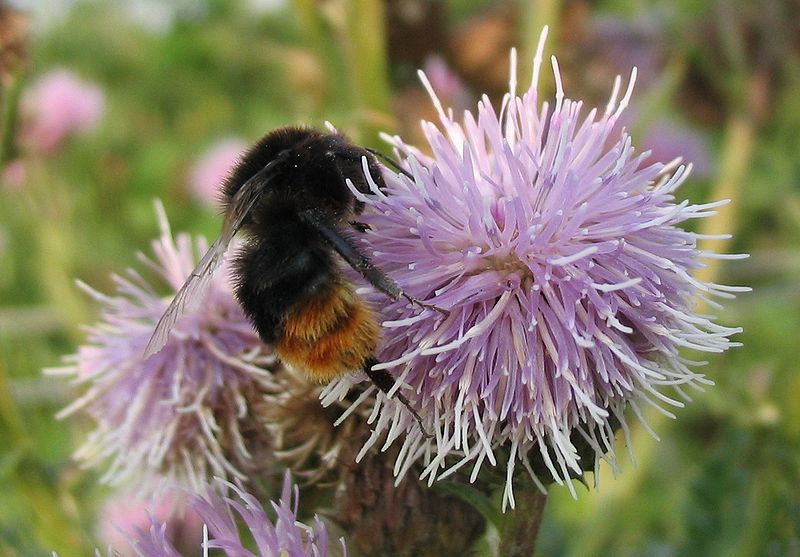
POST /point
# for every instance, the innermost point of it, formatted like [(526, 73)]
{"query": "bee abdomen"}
[(274, 274), (328, 335)]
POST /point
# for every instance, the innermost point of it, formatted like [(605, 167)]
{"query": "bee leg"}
[(347, 249), (417, 302), (385, 382), (360, 226)]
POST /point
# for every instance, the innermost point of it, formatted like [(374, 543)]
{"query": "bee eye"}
[(330, 154)]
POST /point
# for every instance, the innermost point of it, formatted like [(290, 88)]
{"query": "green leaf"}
[(475, 497)]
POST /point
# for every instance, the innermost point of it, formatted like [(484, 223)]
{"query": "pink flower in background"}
[(125, 516), (14, 174), (57, 106), (667, 141), (213, 167), (448, 85)]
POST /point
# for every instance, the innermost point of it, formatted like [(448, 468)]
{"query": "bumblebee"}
[(290, 196)]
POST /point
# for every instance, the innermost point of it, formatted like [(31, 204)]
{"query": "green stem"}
[(734, 163), (11, 422), (535, 14), (10, 108), (309, 18), (53, 528), (29, 321), (737, 152), (54, 263), (312, 24), (655, 102), (521, 527), (54, 256), (364, 41)]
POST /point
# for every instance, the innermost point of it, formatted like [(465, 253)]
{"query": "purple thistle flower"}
[(558, 254), (181, 413), (227, 507), (285, 536)]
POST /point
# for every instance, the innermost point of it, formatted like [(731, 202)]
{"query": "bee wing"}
[(187, 297), (195, 287)]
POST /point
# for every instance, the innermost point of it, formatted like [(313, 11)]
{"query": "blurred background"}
[(107, 105)]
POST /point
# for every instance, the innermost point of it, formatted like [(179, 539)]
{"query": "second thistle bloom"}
[(190, 411), (558, 253)]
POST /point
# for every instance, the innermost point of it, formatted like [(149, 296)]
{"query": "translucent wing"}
[(193, 290)]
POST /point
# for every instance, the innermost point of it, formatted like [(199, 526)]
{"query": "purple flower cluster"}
[(180, 414), (224, 509), (558, 254)]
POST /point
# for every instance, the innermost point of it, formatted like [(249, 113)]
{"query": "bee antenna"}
[(393, 163)]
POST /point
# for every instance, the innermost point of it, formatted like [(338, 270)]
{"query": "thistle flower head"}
[(558, 254), (182, 412)]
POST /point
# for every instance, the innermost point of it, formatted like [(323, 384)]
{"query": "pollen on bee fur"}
[(331, 334)]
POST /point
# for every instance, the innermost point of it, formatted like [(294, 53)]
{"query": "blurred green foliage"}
[(724, 480)]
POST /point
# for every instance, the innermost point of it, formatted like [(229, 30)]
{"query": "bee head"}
[(326, 165), (309, 170)]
